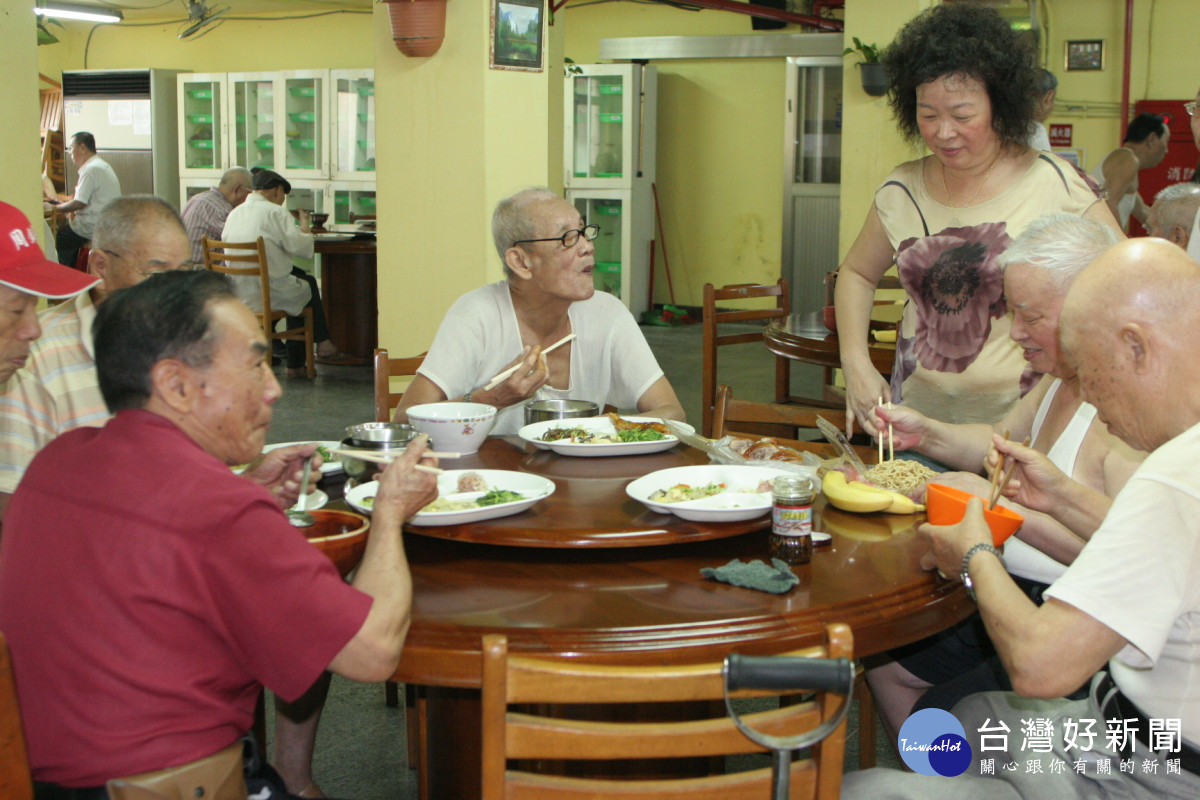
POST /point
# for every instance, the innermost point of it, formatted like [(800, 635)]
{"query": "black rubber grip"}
[(781, 673)]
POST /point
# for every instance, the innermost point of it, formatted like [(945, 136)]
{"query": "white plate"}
[(326, 468), (316, 500), (533, 487), (533, 434), (333, 237), (731, 505)]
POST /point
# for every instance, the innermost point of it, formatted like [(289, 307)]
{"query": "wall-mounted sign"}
[(1060, 135), (1085, 54)]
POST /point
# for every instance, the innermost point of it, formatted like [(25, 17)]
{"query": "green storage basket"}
[(614, 117), (200, 118), (610, 210), (202, 144), (303, 91), (611, 88), (303, 116), (200, 94), (304, 144)]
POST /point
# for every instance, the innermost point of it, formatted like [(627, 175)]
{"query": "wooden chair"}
[(385, 369), (714, 339), (528, 734), (221, 256), (16, 782), (767, 419)]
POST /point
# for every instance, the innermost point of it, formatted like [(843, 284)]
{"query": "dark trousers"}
[(68, 243), (295, 350)]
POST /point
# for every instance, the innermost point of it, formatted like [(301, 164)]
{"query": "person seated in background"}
[(292, 289), (143, 581), (1174, 212), (1131, 598), (1144, 147), (205, 213), (96, 185), (1038, 270), (548, 293), (58, 389)]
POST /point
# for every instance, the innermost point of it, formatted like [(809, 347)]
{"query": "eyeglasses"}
[(570, 238), (1190, 108), (146, 273)]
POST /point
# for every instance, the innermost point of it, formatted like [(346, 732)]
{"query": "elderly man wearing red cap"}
[(25, 275)]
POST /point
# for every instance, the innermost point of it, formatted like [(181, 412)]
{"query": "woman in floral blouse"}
[(963, 83)]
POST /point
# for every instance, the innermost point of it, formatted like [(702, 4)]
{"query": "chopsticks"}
[(376, 458), (1000, 481), (891, 443), (502, 376)]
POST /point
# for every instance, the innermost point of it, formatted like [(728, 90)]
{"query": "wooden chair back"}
[(228, 258), (15, 780), (713, 338), (767, 419), (385, 369), (531, 734)]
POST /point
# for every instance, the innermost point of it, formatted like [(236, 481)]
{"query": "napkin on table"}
[(775, 579)]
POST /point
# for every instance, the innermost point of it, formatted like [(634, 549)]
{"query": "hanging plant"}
[(418, 26), (874, 78), (45, 36)]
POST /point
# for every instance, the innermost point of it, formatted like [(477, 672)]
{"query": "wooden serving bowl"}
[(340, 535)]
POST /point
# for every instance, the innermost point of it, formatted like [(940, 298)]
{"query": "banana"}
[(901, 503), (855, 496)]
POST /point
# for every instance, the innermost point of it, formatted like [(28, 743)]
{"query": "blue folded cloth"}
[(776, 579)]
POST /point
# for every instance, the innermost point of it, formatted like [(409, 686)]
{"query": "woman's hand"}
[(864, 388), (908, 427)]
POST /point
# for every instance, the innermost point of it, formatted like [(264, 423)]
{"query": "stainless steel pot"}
[(542, 410), (384, 437)]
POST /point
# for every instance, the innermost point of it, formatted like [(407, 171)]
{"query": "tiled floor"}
[(361, 745)]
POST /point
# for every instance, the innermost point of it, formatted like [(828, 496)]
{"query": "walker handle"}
[(789, 673)]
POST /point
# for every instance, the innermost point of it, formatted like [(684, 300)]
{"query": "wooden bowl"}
[(946, 505), (340, 535)]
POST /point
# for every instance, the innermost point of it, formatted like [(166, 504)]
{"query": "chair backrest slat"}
[(15, 780), (385, 369)]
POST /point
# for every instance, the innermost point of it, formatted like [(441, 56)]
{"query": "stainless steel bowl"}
[(375, 434), (542, 410)]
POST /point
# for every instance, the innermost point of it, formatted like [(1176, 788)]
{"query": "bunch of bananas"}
[(862, 498)]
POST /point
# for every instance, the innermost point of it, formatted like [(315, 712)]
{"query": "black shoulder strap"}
[(1061, 177), (914, 202)]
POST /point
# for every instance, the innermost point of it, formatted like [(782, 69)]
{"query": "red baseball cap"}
[(24, 267)]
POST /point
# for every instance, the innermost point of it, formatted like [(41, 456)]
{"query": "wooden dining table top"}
[(649, 603)]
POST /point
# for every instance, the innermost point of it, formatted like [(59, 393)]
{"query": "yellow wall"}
[(19, 155)]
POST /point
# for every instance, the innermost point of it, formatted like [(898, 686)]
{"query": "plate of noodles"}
[(468, 495), (900, 475)]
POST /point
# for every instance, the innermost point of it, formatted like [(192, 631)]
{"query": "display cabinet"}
[(352, 111), (610, 123), (203, 138), (623, 246), (610, 168), (350, 198)]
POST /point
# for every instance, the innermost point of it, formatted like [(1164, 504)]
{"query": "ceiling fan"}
[(201, 19)]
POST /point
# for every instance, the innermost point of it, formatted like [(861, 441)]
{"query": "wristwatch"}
[(966, 562), (467, 396)]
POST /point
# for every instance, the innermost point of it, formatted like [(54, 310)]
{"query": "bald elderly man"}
[(1173, 213), (1127, 606)]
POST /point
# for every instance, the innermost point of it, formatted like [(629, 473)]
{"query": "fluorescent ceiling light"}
[(73, 11)]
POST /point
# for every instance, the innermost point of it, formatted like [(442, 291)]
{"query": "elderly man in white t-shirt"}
[(97, 186), (548, 293)]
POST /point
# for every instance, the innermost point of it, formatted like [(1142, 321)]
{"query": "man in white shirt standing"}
[(96, 186)]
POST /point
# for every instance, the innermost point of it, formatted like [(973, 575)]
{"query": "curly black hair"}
[(964, 39)]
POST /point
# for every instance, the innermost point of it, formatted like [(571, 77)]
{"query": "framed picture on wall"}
[(517, 34), (1085, 54)]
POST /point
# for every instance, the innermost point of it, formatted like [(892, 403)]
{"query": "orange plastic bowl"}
[(946, 505), (340, 535)]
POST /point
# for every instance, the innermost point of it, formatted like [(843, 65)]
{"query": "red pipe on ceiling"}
[(777, 14)]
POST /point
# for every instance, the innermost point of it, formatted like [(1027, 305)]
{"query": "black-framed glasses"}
[(1190, 108), (570, 238)]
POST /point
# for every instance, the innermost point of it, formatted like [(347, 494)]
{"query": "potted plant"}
[(874, 79), (418, 26)]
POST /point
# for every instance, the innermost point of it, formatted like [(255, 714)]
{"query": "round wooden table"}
[(634, 604), (787, 337)]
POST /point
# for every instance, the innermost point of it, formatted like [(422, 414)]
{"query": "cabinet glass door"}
[(304, 122), (201, 124), (254, 123), (350, 205), (354, 107), (599, 126), (608, 213)]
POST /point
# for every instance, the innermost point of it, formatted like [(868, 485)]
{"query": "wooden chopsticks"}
[(501, 376), (379, 458), (1002, 475), (891, 442)]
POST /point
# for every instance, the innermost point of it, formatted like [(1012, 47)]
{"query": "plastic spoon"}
[(299, 517)]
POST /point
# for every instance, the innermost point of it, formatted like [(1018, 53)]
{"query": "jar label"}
[(791, 520)]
